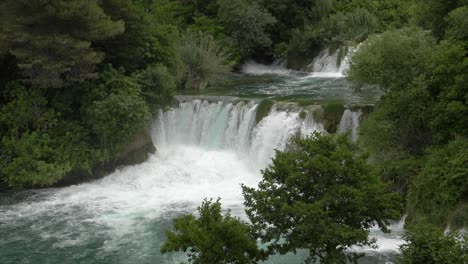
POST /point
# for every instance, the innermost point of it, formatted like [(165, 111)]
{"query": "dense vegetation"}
[(417, 134)]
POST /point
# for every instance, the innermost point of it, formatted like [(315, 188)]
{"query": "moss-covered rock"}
[(263, 109), (332, 114)]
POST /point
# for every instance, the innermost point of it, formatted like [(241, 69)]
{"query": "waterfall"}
[(327, 63), (350, 122), (205, 150), (231, 126)]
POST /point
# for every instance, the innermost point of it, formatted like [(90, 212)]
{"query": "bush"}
[(212, 237), (441, 184), (158, 86), (205, 60), (118, 112), (392, 60), (427, 244)]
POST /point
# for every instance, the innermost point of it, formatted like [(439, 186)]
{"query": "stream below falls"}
[(206, 148)]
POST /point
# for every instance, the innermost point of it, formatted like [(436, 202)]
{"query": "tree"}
[(392, 59), (291, 15), (246, 23), (431, 14), (52, 39), (212, 238), (321, 196), (157, 85), (427, 244), (139, 45), (391, 13)]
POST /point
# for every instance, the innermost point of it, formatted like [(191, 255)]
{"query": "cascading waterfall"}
[(350, 122), (328, 64), (231, 126), (205, 150)]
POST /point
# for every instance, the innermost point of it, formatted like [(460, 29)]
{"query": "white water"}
[(204, 150), (325, 65), (254, 68), (350, 122), (231, 127)]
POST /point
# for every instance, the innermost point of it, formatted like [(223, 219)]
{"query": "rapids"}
[(205, 149)]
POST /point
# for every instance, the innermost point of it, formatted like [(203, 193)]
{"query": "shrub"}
[(205, 60), (212, 237)]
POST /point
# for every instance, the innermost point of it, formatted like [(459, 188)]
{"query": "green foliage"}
[(157, 85), (449, 77), (246, 23), (457, 24), (427, 244), (263, 108), (117, 112), (51, 39), (431, 14), (440, 185), (37, 147), (135, 47), (205, 60), (207, 25), (212, 237), (167, 12), (392, 60), (291, 15), (321, 196), (391, 13), (399, 124), (355, 26)]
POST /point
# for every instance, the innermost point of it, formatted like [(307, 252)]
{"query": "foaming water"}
[(231, 127), (205, 149), (254, 68), (350, 123)]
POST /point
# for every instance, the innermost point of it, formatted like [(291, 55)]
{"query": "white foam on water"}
[(205, 150), (350, 123), (254, 68)]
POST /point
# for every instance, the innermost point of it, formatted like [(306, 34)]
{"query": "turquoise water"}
[(291, 86)]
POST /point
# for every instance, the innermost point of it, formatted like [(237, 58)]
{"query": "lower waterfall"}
[(205, 150)]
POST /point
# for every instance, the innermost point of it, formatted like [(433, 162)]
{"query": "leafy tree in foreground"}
[(427, 244), (212, 238), (320, 196)]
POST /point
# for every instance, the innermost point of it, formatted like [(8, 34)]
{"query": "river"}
[(207, 147)]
